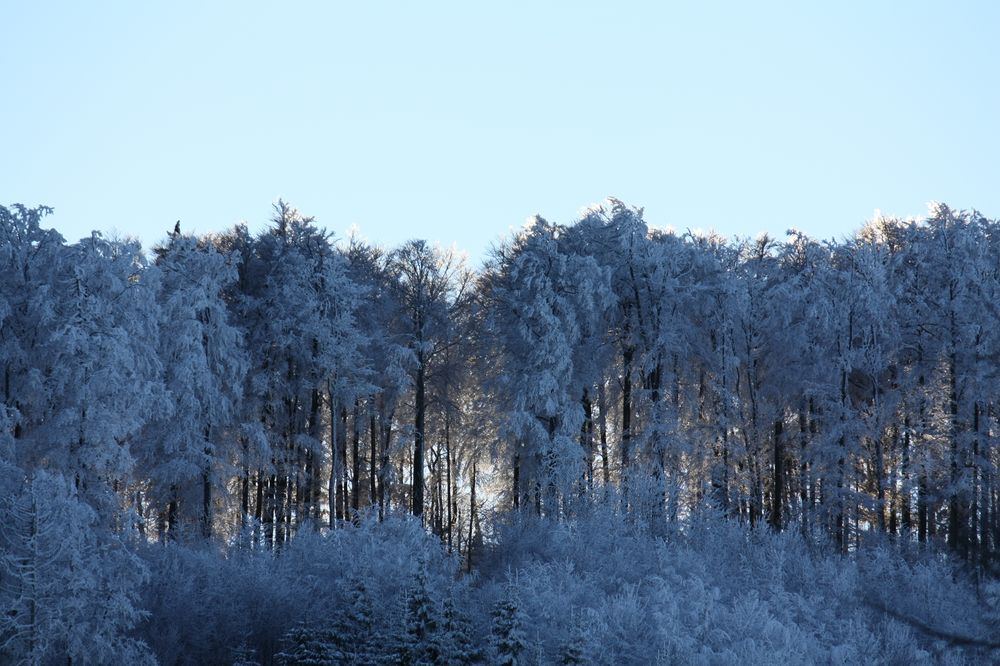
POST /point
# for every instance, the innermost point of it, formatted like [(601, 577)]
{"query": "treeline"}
[(235, 389), (842, 389)]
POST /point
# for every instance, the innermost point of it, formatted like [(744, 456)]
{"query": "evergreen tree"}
[(423, 625), (306, 645), (354, 641), (509, 641), (244, 655), (460, 644)]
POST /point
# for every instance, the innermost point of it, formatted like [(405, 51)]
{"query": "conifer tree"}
[(460, 645), (509, 641), (423, 625), (306, 645), (244, 655), (353, 638)]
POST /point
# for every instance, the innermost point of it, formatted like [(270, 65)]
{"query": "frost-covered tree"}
[(204, 360), (69, 588), (98, 369), (306, 644), (30, 262), (355, 640), (297, 305), (545, 308), (389, 358), (509, 642), (429, 282), (423, 625), (460, 644)]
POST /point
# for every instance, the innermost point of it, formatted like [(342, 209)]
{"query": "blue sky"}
[(456, 121)]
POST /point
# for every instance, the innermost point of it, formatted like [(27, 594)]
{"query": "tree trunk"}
[(335, 463), (804, 471), (356, 459), (447, 465), (343, 496), (472, 517), (172, 514), (587, 438), (418, 440), (516, 489), (372, 454), (904, 509), (954, 498), (778, 490), (206, 505), (385, 466), (605, 461), (626, 415)]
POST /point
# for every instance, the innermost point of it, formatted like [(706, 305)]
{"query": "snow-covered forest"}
[(612, 444)]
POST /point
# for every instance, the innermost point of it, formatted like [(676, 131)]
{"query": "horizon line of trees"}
[(795, 382), (237, 388)]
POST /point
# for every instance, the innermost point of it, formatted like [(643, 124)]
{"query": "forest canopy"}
[(612, 443)]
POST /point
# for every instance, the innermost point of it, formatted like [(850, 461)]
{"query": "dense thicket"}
[(205, 452)]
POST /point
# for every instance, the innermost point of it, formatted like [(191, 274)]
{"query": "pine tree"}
[(306, 645), (423, 625), (244, 655), (572, 651), (460, 645), (509, 641), (571, 654), (353, 638)]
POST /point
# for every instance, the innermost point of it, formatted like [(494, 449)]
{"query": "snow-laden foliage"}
[(546, 303), (617, 444), (353, 583), (596, 589), (188, 450), (718, 593), (68, 589)]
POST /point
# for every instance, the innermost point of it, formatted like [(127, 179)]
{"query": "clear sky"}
[(456, 121)]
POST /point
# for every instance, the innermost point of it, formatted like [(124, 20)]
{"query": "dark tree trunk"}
[(268, 513), (206, 505), (804, 471), (778, 492), (342, 491), (516, 490), (356, 459), (172, 514), (605, 459), (335, 463), (384, 497), (472, 518), (626, 415), (922, 522), (244, 496), (418, 439), (450, 497), (316, 430), (372, 454), (587, 438), (954, 499), (904, 509)]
